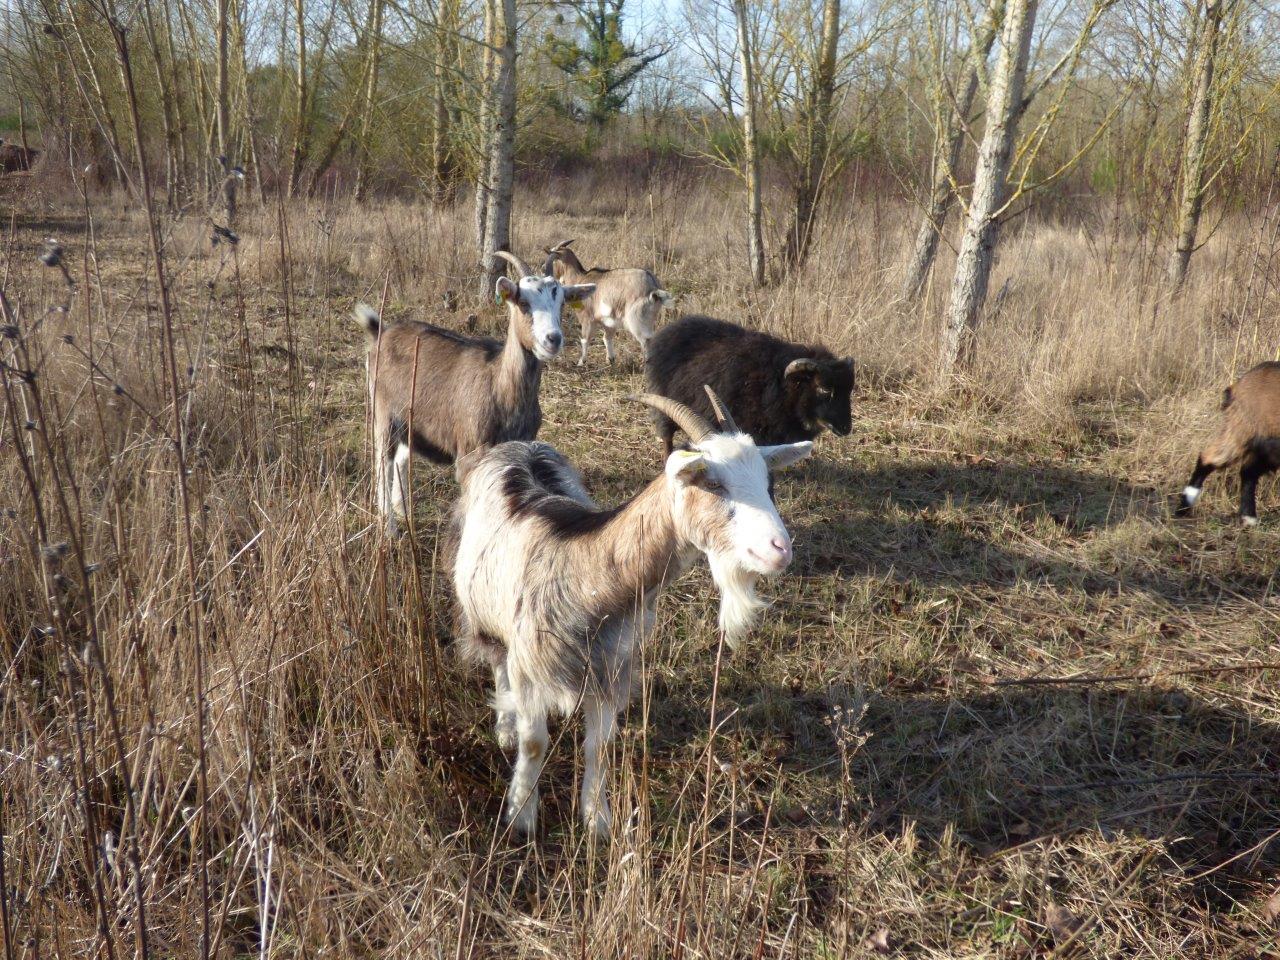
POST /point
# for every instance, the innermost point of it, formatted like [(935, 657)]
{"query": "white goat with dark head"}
[(631, 296), (555, 593), (441, 394)]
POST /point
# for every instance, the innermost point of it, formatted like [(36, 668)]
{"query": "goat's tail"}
[(662, 297), (369, 320)]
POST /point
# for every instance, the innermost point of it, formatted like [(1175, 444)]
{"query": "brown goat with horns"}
[(442, 395)]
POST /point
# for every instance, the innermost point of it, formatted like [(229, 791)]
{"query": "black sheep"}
[(779, 392)]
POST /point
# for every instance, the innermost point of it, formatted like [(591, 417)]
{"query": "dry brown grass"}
[(878, 778)]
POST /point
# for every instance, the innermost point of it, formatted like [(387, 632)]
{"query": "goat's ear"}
[(800, 369), (686, 466), (785, 454), (506, 290), (578, 292)]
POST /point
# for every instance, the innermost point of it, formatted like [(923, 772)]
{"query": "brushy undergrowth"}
[(1003, 705)]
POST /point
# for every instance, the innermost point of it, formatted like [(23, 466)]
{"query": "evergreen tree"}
[(600, 65)]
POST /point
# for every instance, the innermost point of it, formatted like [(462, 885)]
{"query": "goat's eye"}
[(713, 486), (823, 392)]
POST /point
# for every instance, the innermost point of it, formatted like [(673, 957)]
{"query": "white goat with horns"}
[(555, 592)]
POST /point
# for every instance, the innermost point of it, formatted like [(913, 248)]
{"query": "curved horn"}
[(548, 264), (722, 412), (562, 245), (515, 261), (800, 365), (691, 423)]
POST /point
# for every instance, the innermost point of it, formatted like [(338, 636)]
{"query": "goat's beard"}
[(739, 605)]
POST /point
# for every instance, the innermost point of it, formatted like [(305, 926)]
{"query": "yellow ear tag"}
[(575, 304)]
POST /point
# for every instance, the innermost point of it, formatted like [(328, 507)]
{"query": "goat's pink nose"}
[(783, 546)]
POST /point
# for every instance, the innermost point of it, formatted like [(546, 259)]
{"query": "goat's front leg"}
[(601, 723), (505, 724), (522, 798), (608, 345)]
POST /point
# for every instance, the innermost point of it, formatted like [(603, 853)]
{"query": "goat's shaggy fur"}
[(1249, 435), (630, 295), (554, 593), (780, 392)]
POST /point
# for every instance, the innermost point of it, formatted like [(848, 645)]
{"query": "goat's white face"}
[(722, 491), (541, 301), (722, 506)]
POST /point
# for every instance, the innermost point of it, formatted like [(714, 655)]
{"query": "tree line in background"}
[(983, 108)]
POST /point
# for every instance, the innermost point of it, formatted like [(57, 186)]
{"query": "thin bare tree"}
[(815, 138), (226, 157), (497, 232), (1196, 140), (990, 184), (486, 129), (750, 143), (994, 191), (373, 35), (953, 109)]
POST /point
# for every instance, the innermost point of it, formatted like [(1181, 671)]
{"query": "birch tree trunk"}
[(750, 144), (180, 114), (946, 155), (374, 34), (1197, 138), (223, 93), (497, 234), (484, 168), (172, 177), (302, 132), (250, 110), (1005, 107), (815, 127), (446, 57)]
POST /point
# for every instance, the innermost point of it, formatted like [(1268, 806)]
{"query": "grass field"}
[(1003, 705)]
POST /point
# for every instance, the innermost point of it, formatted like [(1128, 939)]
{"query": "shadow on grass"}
[(1018, 765), (55, 225), (943, 523)]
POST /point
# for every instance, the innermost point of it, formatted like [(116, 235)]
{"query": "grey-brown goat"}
[(629, 294), (442, 395)]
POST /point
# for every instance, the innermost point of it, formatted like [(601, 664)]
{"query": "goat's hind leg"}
[(1254, 469), (504, 727), (1191, 492), (387, 481), (601, 721), (401, 503), (533, 741)]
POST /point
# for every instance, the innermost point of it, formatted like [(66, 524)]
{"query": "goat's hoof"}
[(1249, 521), (524, 821)]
